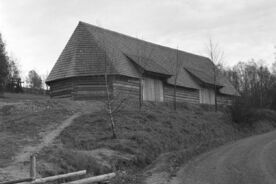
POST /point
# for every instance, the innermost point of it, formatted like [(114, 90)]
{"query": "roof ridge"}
[(148, 42)]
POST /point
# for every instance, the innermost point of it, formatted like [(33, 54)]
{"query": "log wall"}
[(224, 99), (61, 88), (80, 88), (90, 88), (182, 94), (93, 87), (125, 87)]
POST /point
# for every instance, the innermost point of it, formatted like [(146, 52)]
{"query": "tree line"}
[(10, 73), (256, 84), (254, 81)]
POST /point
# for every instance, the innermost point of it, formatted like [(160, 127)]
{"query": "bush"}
[(241, 111), (68, 160)]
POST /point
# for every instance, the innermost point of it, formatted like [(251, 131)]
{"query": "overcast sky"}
[(36, 31)]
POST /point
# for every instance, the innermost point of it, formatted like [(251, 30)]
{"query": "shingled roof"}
[(149, 65), (90, 47)]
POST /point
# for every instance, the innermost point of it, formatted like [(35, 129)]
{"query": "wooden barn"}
[(135, 68)]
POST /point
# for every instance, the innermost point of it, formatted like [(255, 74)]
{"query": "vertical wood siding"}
[(207, 96), (152, 90), (159, 91)]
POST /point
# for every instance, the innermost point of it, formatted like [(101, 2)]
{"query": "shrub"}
[(68, 160), (241, 112)]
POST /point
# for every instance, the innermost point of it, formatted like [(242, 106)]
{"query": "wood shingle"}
[(90, 47)]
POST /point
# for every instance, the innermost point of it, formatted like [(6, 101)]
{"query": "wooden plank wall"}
[(224, 99), (89, 88), (61, 88), (84, 88), (93, 87), (182, 94), (125, 87)]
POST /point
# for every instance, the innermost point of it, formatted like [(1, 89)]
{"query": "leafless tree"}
[(109, 106), (216, 56), (177, 70), (274, 63), (140, 82), (107, 69), (141, 54), (114, 102), (255, 83)]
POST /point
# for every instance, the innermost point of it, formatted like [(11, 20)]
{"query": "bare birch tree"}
[(109, 106), (113, 102), (140, 83), (216, 56), (107, 69), (177, 69)]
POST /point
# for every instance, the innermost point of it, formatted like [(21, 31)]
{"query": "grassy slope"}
[(24, 118), (146, 139)]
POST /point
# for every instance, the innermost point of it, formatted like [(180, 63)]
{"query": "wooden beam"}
[(99, 178), (33, 166), (62, 176)]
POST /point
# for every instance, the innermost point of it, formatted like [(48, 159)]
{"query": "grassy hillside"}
[(150, 141), (24, 118)]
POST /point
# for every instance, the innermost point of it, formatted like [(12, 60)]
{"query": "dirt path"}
[(251, 160), (20, 166)]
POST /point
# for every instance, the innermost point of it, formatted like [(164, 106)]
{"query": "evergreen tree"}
[(4, 65)]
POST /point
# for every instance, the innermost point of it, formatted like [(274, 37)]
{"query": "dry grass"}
[(154, 139), (154, 130), (149, 132), (23, 120)]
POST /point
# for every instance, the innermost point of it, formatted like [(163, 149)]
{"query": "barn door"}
[(152, 90), (158, 90), (207, 96)]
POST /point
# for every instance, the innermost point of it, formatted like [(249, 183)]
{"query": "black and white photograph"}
[(137, 91)]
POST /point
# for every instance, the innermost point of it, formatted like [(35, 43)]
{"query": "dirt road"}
[(248, 161)]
